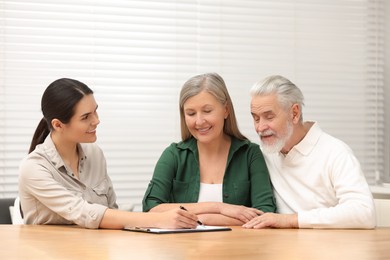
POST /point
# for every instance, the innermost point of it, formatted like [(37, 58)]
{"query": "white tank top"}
[(210, 192)]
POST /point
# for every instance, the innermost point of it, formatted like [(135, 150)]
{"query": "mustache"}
[(266, 133)]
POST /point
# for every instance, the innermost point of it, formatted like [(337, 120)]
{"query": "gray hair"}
[(215, 85), (286, 91)]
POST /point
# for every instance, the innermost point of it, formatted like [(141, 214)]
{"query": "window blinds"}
[(136, 55)]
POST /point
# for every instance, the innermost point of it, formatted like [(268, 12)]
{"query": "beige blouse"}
[(50, 194)]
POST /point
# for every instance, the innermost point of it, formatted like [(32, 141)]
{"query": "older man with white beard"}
[(317, 180)]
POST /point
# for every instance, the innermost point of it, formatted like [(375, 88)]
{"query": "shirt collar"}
[(307, 144), (50, 152), (191, 145)]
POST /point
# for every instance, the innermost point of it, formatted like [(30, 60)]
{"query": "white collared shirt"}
[(321, 180)]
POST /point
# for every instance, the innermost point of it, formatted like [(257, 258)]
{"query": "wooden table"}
[(71, 242)]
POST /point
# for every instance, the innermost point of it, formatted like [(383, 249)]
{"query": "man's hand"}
[(273, 220)]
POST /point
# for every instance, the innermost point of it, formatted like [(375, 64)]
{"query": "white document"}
[(199, 228)]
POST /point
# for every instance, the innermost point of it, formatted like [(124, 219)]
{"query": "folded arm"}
[(210, 212)]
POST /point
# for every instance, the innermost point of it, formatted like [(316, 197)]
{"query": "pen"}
[(198, 221)]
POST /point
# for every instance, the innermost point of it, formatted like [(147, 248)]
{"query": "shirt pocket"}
[(100, 193), (102, 188), (242, 191), (180, 191)]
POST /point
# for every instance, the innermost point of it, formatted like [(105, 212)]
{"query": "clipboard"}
[(199, 228)]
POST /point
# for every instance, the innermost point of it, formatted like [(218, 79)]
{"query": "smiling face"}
[(205, 117), (272, 123), (82, 126)]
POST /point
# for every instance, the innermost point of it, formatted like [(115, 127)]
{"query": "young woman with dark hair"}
[(64, 180)]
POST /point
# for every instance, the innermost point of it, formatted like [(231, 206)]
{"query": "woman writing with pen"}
[(64, 180), (215, 171)]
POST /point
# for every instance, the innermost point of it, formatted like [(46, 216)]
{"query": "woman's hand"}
[(176, 218), (241, 213)]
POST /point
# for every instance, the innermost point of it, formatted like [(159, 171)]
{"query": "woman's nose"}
[(199, 120), (96, 119)]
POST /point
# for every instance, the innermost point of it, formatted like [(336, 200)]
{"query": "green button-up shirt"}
[(176, 177)]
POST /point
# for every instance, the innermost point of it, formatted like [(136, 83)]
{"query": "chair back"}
[(5, 215), (16, 213)]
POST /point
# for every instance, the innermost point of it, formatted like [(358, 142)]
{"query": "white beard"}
[(280, 142)]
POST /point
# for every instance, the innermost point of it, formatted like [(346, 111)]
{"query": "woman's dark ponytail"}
[(40, 134)]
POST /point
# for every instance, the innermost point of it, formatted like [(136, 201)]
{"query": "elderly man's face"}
[(272, 123)]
